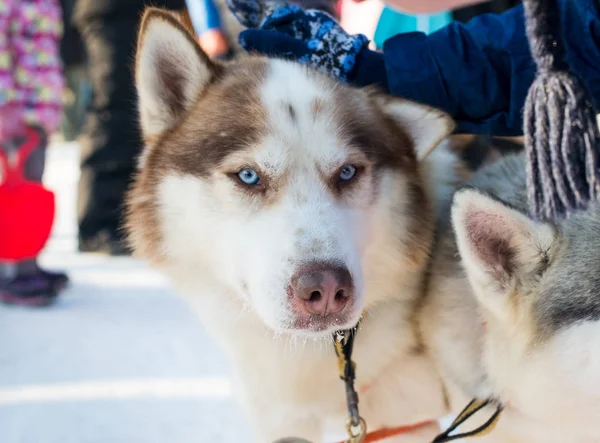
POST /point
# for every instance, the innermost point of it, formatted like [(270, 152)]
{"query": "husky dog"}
[(286, 206), (516, 317)]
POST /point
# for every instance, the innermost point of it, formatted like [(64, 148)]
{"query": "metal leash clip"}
[(356, 434)]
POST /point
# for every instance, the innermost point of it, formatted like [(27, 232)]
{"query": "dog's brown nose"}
[(323, 289)]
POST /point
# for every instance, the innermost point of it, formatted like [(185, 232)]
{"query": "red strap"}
[(3, 166), (15, 173), (384, 433)]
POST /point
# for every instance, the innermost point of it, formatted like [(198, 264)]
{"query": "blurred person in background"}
[(74, 65), (399, 16), (110, 142), (31, 92), (206, 20), (430, 6), (465, 13)]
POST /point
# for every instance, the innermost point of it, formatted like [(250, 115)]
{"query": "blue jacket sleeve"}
[(480, 72)]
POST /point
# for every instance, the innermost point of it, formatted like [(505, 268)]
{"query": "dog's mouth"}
[(329, 323), (318, 326)]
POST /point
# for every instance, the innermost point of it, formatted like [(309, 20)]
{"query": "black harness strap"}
[(344, 344), (471, 409)]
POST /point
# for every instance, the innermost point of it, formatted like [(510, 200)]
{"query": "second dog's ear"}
[(499, 246), (170, 71)]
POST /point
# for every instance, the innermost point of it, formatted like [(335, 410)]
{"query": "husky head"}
[(538, 287), (273, 181)]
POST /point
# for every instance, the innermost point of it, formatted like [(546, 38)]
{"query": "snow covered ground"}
[(119, 359)]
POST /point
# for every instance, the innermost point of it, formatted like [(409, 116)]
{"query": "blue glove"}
[(311, 37)]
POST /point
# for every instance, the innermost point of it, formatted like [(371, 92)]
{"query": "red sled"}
[(26, 208)]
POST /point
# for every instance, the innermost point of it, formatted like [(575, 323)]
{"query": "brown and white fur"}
[(513, 309), (233, 249)]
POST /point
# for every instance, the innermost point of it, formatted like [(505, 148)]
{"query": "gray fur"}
[(570, 286), (504, 180), (569, 289)]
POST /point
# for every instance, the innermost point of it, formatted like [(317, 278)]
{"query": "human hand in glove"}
[(310, 37)]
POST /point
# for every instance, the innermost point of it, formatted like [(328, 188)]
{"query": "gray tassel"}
[(561, 132)]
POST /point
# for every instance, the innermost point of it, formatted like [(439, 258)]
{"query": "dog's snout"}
[(323, 289)]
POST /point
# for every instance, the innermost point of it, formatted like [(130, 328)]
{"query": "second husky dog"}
[(516, 317)]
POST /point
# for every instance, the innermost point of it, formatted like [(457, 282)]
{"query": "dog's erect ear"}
[(170, 71), (497, 244), (426, 126)]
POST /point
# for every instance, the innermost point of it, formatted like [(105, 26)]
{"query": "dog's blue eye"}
[(249, 176), (347, 173)]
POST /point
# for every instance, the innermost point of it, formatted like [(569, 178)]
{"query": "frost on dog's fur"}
[(520, 323), (234, 249)]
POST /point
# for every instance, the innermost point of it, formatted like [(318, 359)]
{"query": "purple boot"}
[(29, 290)]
